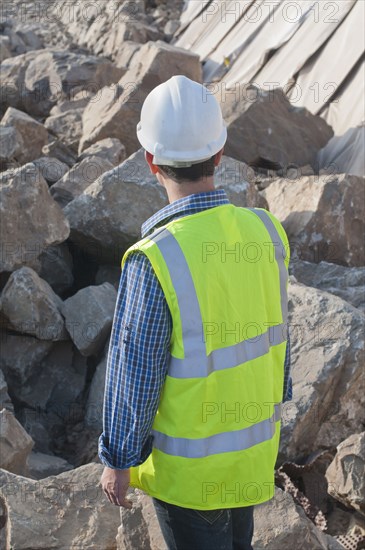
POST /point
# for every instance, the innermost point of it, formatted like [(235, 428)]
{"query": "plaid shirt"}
[(139, 348)]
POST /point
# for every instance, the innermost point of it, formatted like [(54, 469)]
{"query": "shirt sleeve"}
[(288, 390), (136, 366)]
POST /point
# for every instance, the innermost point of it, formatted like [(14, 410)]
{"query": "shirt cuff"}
[(107, 459)]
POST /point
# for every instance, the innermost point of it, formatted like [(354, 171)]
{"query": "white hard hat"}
[(181, 123)]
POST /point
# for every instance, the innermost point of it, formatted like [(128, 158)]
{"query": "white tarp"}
[(319, 24), (348, 110), (251, 21), (277, 30), (208, 30), (322, 76), (345, 154)]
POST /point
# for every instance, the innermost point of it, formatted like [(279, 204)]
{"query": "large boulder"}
[(280, 524), (237, 179), (79, 178), (117, 111), (69, 510), (51, 168), (346, 282), (89, 317), (10, 146), (139, 526), (5, 401), (15, 444), (41, 222), (21, 357), (67, 127), (110, 149), (41, 465), (37, 80), (324, 216), (345, 475), (56, 268), (32, 136), (265, 130), (60, 151), (95, 401), (327, 354), (31, 306)]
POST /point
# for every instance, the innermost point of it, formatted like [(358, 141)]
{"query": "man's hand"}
[(115, 484)]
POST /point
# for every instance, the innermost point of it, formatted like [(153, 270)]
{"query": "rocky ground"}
[(74, 192)]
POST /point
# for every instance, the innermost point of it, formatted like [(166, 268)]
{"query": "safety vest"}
[(224, 273)]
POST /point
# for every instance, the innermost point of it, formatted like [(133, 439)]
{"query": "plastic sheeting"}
[(323, 75), (347, 110), (290, 58), (345, 154)]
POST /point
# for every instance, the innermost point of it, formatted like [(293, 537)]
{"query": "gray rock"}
[(41, 223), (12, 73), (108, 274), (237, 179), (107, 217), (117, 111), (67, 127), (323, 216), (78, 179), (327, 351), (10, 144), (4, 48), (171, 27), (110, 149), (126, 54), (94, 406), (78, 101), (265, 130), (31, 306), (281, 524), (89, 316), (345, 475), (21, 357), (5, 401), (51, 168), (65, 511), (37, 80), (56, 268), (15, 444), (32, 135), (61, 152), (346, 282), (41, 465)]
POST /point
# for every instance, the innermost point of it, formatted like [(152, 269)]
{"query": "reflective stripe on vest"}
[(196, 364), (224, 442)]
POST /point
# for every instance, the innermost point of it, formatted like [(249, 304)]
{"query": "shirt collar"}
[(187, 205)]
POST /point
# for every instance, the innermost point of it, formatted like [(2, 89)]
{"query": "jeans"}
[(187, 529)]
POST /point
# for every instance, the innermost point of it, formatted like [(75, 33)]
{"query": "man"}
[(195, 376)]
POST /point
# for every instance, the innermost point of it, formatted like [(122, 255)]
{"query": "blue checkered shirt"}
[(139, 348)]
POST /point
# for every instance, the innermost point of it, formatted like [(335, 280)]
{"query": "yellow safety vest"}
[(224, 273)]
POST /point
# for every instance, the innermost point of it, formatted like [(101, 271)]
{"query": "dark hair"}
[(190, 173)]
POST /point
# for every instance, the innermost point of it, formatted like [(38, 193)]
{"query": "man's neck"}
[(177, 191)]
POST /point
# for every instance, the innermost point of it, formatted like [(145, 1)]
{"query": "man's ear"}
[(218, 157), (149, 158)]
